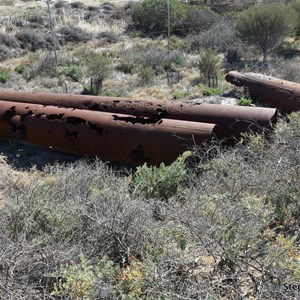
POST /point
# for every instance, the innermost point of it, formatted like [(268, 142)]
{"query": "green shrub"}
[(25, 70), (181, 94), (209, 91), (73, 71), (160, 182), (220, 37), (244, 101), (113, 94), (98, 68), (146, 75), (199, 19), (264, 26), (209, 67), (150, 16), (89, 90), (159, 58), (5, 75), (78, 281)]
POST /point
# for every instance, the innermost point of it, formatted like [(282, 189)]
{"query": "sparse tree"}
[(209, 67), (99, 68), (265, 26)]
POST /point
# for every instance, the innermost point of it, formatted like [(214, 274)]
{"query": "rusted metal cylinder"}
[(282, 94), (115, 137), (232, 120)]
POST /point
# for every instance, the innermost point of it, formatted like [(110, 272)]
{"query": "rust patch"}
[(97, 128)]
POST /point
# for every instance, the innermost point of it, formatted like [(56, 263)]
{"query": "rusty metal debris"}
[(232, 120), (282, 94), (118, 137)]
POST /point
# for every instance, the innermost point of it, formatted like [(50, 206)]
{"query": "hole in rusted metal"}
[(9, 114), (75, 120), (54, 116), (135, 120), (162, 113)]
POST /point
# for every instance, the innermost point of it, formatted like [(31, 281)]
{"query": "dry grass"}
[(153, 92)]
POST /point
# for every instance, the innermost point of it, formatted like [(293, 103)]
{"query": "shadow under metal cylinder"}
[(115, 137), (232, 120), (282, 94)]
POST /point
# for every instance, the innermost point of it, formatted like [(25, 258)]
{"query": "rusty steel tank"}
[(232, 120), (117, 137), (282, 94)]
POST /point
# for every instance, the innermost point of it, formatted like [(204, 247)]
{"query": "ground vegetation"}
[(221, 222)]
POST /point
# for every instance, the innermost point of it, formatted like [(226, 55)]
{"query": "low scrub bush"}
[(89, 90), (25, 70), (5, 75), (7, 2), (74, 34), (160, 182), (5, 53), (146, 75), (44, 65), (61, 4), (158, 58), (220, 37), (181, 94), (8, 40), (32, 40), (38, 20), (77, 5), (199, 19), (76, 73), (150, 16), (109, 37), (209, 91)]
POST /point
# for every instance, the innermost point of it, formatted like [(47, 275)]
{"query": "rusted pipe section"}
[(232, 120), (282, 94), (115, 137)]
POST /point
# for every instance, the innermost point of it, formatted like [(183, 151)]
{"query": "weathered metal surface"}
[(115, 137), (232, 120), (282, 94)]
